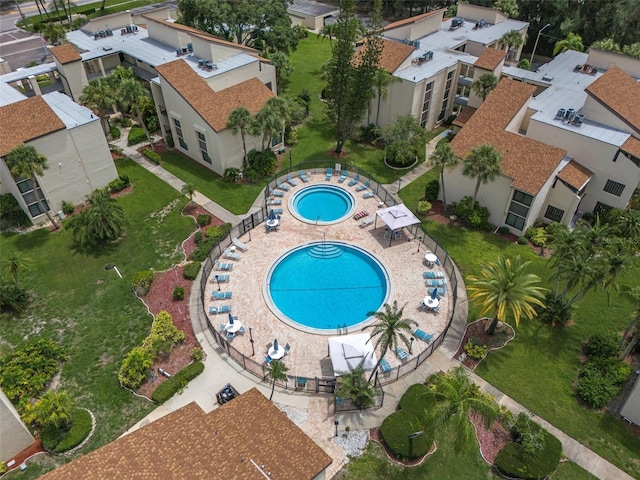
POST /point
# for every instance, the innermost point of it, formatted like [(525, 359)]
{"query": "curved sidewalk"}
[(220, 370)]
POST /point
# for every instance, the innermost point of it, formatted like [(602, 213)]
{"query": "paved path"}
[(220, 370)]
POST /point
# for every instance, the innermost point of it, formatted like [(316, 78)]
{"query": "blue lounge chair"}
[(343, 176), (239, 245), (422, 335), (221, 278), (223, 327), (224, 266), (362, 187), (267, 360), (303, 176), (231, 255), (276, 193), (278, 211), (221, 309), (220, 295), (369, 194), (401, 353), (276, 201), (282, 186), (301, 382), (354, 180), (433, 275), (329, 173), (384, 366), (291, 181), (441, 291), (435, 282)]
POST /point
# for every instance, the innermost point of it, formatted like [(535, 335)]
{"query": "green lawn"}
[(90, 310)]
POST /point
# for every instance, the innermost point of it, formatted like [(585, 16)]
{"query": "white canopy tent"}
[(396, 217), (347, 351)]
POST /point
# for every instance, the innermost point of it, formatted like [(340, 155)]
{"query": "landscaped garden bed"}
[(476, 334)]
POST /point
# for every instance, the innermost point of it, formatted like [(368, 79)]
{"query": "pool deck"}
[(309, 352)]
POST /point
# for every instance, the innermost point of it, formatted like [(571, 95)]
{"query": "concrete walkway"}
[(220, 370)]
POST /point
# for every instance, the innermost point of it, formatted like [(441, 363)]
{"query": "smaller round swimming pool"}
[(322, 204)]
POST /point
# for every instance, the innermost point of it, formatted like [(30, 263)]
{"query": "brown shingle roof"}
[(632, 145), (407, 21), (620, 93), (393, 54), (575, 174), (213, 107), (25, 120), (527, 162), (65, 53), (490, 58), (463, 117), (230, 442)]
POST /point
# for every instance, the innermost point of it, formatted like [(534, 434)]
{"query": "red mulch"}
[(160, 297), (503, 334), (26, 453), (491, 439)]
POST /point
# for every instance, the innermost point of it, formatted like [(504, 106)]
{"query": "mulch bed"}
[(491, 439), (34, 448), (504, 333)]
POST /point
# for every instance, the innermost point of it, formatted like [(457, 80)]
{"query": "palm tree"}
[(270, 119), (282, 64), (607, 45), (239, 121), (381, 81), (188, 191), (483, 164), (277, 371), (329, 31), (390, 328), (456, 397), (16, 263), (53, 32), (352, 385), (24, 161), (99, 96), (484, 84), (102, 221), (633, 294), (573, 41), (513, 38), (506, 286), (53, 408), (443, 157), (133, 95)]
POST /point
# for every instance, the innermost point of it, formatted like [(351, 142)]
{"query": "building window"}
[(522, 197), (447, 93), (30, 198), (518, 209), (554, 214), (179, 134), (463, 91), (425, 105), (602, 208), (466, 70), (614, 188), (515, 221), (202, 143)]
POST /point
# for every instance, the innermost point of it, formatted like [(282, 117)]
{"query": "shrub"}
[(602, 345), (462, 208), (370, 134), (191, 270), (164, 334), (395, 431), (290, 136), (431, 190), (204, 220), (126, 123), (135, 366), (201, 253), (474, 350), (67, 207), (170, 142), (51, 437), (11, 215), (523, 241), (216, 232), (197, 237), (596, 390), (231, 175), (115, 148), (141, 281), (251, 175), (136, 135), (424, 207), (116, 185), (154, 157), (537, 236), (178, 293), (197, 354), (12, 297), (80, 428), (504, 231), (555, 310), (115, 132), (514, 461), (168, 388)]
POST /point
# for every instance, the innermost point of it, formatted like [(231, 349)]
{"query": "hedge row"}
[(168, 388), (514, 462), (58, 441), (136, 135)]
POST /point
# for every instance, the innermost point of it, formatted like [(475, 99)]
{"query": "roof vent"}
[(456, 23), (547, 78), (578, 119), (561, 113)]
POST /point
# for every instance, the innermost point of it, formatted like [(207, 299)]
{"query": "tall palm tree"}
[(389, 329), (329, 31), (102, 221), (133, 95), (506, 287), (456, 397), (513, 38), (443, 158), (573, 41), (277, 371), (24, 161), (188, 191), (239, 121), (483, 164), (484, 84), (381, 81), (99, 96), (352, 385), (633, 294), (281, 63), (53, 408), (270, 119)]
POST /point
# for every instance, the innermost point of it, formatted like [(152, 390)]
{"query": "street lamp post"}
[(419, 242), (217, 281), (336, 424), (253, 352), (411, 345), (399, 183), (411, 437), (535, 45), (290, 160)]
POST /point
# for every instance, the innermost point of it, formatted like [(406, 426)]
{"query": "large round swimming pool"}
[(323, 286), (322, 204)]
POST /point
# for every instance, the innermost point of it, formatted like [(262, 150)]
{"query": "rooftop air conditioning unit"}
[(578, 119)]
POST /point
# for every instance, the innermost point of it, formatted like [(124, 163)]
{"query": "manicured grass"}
[(91, 311)]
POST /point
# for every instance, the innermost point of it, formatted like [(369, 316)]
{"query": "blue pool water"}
[(327, 285), (322, 204)]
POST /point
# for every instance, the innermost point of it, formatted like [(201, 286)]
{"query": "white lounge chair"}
[(220, 295), (343, 176), (240, 245), (366, 222), (276, 201), (231, 255), (303, 176), (354, 180), (276, 193), (369, 194), (291, 181), (282, 186), (221, 309)]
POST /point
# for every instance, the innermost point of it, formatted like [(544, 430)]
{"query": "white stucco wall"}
[(74, 78), (561, 197), (596, 112), (14, 435), (605, 60), (265, 72), (473, 12)]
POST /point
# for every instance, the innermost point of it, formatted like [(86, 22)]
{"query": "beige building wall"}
[(168, 35), (401, 99), (418, 29), (115, 21), (265, 72), (561, 197), (162, 13), (14, 435), (605, 60), (73, 77), (475, 12), (595, 111)]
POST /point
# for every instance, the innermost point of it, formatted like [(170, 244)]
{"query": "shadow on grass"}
[(95, 250), (33, 240)]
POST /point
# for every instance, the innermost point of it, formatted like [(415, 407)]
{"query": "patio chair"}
[(369, 194), (354, 180), (269, 345), (366, 222), (401, 353), (218, 310), (231, 255), (343, 176), (329, 174), (303, 176), (224, 266), (275, 201), (231, 335), (291, 181), (384, 365), (223, 327), (267, 360), (239, 245), (276, 193), (287, 347), (422, 335), (220, 295), (282, 186), (241, 330), (278, 211), (435, 282), (433, 275), (301, 382), (220, 278), (362, 187)]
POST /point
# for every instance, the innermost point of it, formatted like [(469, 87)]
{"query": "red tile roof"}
[(463, 117), (231, 442), (527, 162), (632, 146), (417, 18), (26, 120), (65, 53), (213, 107), (490, 59), (393, 54), (575, 174), (620, 93)]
